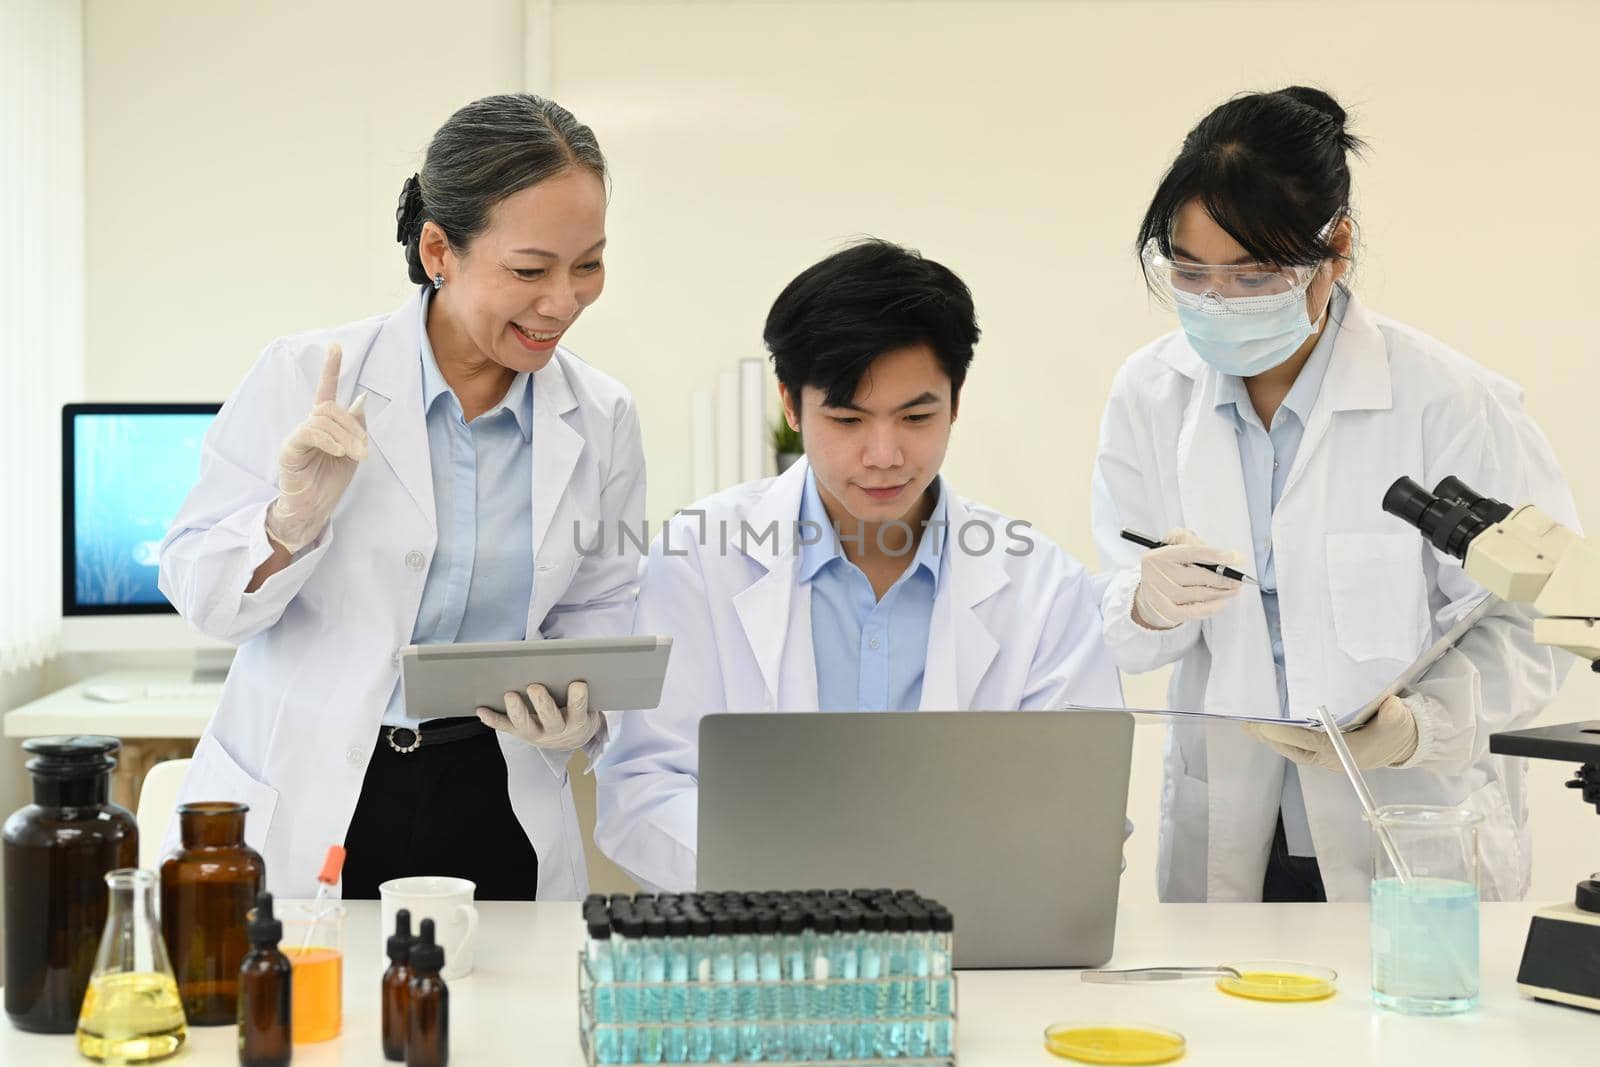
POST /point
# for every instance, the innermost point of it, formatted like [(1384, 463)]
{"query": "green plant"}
[(785, 439)]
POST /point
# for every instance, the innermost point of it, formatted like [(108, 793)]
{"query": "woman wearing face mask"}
[(416, 478), (1263, 433)]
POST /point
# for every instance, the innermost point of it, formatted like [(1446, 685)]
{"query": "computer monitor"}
[(125, 471)]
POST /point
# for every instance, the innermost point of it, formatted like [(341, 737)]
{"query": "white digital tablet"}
[(444, 681)]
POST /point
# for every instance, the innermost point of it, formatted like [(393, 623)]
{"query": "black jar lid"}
[(71, 755)]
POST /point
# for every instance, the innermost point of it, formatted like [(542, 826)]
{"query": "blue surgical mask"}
[(1246, 341)]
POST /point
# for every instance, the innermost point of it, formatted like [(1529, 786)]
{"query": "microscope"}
[(1523, 556)]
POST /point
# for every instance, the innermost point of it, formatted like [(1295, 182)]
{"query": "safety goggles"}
[(1230, 289), (1224, 289)]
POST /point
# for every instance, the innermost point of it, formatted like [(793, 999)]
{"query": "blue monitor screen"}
[(130, 472)]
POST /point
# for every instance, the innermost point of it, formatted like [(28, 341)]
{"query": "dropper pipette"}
[(327, 878)]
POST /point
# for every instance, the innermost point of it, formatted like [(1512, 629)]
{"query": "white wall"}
[(244, 161), (243, 166)]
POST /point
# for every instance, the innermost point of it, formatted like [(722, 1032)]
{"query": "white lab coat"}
[(1008, 632), (1361, 594), (318, 642)]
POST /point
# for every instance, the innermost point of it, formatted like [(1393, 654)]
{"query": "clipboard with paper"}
[(1353, 720)]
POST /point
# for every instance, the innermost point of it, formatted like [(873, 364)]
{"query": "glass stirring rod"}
[(1128, 975)]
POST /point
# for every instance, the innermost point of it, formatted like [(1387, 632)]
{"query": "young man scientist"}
[(857, 580)]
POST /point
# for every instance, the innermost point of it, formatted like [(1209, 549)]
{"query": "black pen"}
[(1214, 568)]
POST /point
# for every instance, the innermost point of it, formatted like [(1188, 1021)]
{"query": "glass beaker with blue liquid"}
[(1425, 909)]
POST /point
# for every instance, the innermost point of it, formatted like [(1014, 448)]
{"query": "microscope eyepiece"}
[(1450, 517), (1486, 508), (1407, 500)]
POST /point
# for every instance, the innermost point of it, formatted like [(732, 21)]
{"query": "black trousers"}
[(1291, 878), (440, 810)]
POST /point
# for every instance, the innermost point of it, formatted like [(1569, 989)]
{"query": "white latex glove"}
[(1171, 592), (317, 462), (546, 725), (1387, 740)]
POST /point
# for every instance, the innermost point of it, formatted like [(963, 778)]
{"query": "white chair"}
[(158, 799)]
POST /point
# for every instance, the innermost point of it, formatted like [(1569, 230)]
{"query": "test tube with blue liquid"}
[(819, 940), (796, 993), (769, 967), (652, 1000), (724, 971), (629, 957), (917, 981), (940, 982), (844, 963), (747, 969), (597, 953), (676, 1046), (700, 987), (869, 968), (897, 926)]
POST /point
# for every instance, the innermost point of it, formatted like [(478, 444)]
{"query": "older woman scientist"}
[(415, 478)]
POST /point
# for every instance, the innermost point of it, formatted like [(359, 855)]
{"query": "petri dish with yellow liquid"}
[(1114, 1042), (1280, 981)]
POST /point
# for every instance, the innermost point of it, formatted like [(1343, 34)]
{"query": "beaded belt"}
[(407, 739)]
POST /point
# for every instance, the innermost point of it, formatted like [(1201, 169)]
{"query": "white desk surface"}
[(520, 1004), (68, 711)]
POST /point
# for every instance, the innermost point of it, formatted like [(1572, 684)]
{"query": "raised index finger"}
[(328, 384)]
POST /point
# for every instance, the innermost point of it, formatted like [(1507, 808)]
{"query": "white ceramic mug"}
[(448, 902)]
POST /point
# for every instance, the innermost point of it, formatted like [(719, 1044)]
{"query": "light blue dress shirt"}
[(481, 578), (869, 653), (1266, 458)]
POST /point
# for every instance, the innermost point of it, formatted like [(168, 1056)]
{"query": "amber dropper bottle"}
[(265, 992), (397, 987), (428, 1036)]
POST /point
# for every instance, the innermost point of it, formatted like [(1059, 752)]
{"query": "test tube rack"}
[(636, 1022)]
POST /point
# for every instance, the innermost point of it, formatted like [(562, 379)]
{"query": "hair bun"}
[(409, 212), (1317, 100)]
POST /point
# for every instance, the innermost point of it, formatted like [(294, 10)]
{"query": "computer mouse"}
[(109, 694)]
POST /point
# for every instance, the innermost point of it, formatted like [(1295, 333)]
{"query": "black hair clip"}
[(410, 209)]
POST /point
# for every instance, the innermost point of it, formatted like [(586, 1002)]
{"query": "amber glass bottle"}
[(397, 987), (57, 853), (207, 888), (266, 993), (428, 1036)]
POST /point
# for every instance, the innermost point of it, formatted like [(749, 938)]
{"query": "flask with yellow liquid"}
[(131, 1012)]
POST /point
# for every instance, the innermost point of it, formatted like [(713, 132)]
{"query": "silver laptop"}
[(1013, 819)]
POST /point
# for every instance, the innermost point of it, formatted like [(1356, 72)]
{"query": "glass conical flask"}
[(131, 1013)]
